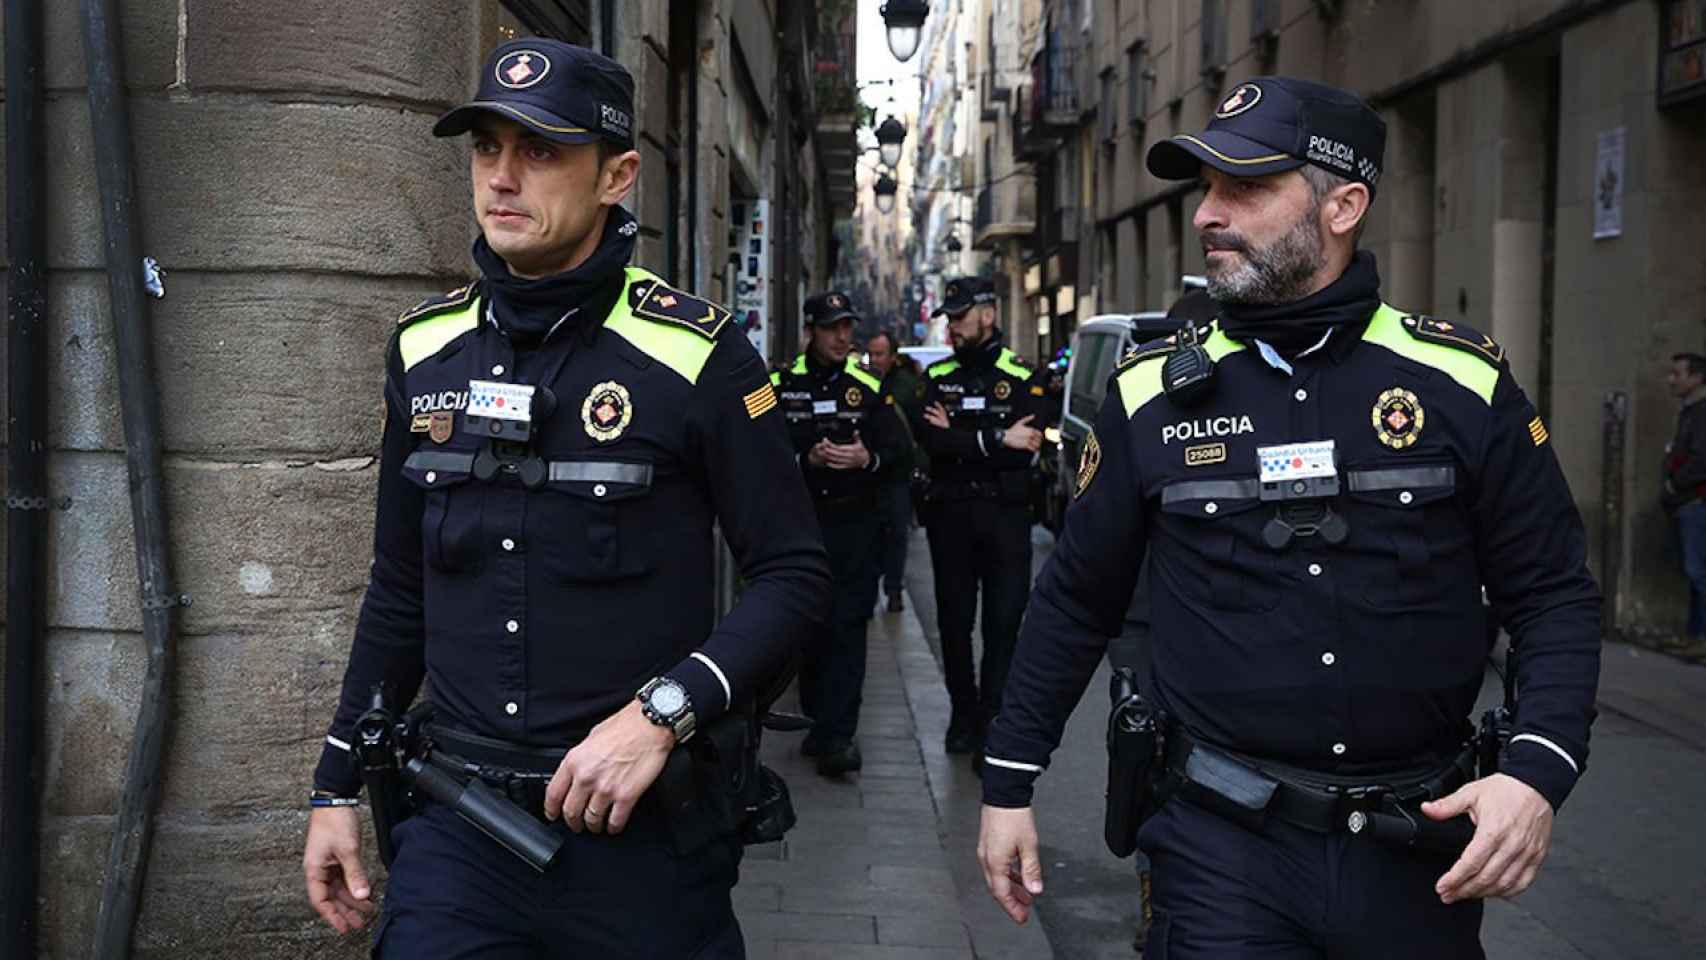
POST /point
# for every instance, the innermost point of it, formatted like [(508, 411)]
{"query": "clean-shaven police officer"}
[(978, 427), (844, 429), (556, 586), (1322, 484)]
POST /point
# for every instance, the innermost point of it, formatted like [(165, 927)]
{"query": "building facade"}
[(291, 189)]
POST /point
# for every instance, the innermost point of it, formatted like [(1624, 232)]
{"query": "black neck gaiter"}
[(528, 310), (981, 354), (1292, 328)]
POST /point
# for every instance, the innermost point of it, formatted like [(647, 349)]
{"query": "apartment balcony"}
[(1005, 209), (1052, 107), (837, 115)]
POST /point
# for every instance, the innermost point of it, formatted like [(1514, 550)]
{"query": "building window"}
[(1213, 27), (1137, 84), (1109, 110), (567, 20)]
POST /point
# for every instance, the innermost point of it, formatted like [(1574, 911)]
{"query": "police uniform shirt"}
[(836, 403), (983, 394), (1348, 658), (537, 613)]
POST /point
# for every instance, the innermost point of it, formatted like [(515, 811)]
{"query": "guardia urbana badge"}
[(1398, 418), (607, 411), (1088, 461)]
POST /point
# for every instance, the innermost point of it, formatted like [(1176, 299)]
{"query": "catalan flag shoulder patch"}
[(1537, 431), (760, 401)]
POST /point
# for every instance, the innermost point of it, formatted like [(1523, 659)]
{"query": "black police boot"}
[(962, 733), (841, 760), (897, 604), (810, 747)]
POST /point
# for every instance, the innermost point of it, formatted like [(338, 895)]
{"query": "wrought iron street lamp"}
[(884, 190), (904, 19), (953, 244), (891, 133)]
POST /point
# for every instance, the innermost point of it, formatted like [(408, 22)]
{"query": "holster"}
[(1135, 753)]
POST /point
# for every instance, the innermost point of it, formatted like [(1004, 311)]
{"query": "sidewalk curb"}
[(957, 795)]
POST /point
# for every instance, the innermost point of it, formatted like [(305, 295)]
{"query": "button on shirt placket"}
[(505, 522), (1315, 559)]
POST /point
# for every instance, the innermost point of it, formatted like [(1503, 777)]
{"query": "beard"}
[(1280, 272)]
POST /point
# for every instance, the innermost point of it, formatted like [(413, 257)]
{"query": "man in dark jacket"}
[(903, 383), (1685, 483)]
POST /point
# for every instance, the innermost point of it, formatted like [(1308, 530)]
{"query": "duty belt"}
[(520, 772), (1318, 802)]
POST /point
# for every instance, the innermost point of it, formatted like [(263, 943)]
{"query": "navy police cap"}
[(829, 308), (560, 91), (1272, 124), (963, 293)]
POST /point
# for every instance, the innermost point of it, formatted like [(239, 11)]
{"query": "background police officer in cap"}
[(980, 408), (1322, 491), (844, 429), (555, 582)]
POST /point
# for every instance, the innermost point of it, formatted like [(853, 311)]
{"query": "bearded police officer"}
[(845, 430), (560, 435), (979, 429), (1323, 484)]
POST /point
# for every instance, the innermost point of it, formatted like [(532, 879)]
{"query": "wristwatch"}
[(666, 703)]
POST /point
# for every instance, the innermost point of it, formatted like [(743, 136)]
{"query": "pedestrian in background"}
[(845, 433), (1685, 485), (902, 382)]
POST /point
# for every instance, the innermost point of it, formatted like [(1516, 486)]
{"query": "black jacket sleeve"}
[(1689, 455), (389, 648), (885, 435), (1533, 557), (766, 516), (1077, 606), (971, 446)]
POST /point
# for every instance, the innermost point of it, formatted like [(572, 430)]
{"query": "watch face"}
[(668, 699)]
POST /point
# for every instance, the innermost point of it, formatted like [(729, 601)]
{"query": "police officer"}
[(844, 430), (978, 427), (559, 434), (1322, 484)]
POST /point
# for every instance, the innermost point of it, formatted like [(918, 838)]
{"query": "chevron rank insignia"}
[(1434, 330), (657, 301), (434, 305)]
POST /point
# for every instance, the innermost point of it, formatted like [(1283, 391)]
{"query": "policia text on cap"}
[(560, 435), (1322, 492)]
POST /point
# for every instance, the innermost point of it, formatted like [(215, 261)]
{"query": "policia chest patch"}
[(1088, 462), (607, 411), (1398, 418)]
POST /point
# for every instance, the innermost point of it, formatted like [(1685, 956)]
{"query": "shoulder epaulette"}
[(1433, 330), (1146, 351), (660, 302), (439, 304)]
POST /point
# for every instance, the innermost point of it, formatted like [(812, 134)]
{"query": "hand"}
[(848, 456), (599, 781), (1513, 830), (818, 455), (936, 415), (331, 861), (1005, 836), (1022, 436)]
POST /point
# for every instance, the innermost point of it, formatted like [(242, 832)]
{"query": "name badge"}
[(500, 401), (1297, 461), (971, 403), (822, 407)]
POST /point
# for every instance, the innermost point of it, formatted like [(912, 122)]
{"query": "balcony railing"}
[(835, 70), (1054, 83), (985, 213)]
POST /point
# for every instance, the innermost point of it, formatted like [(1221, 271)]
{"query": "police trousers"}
[(832, 663), (1221, 891), (453, 893), (979, 542)]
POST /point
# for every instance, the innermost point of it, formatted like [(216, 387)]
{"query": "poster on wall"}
[(752, 283), (1608, 186)]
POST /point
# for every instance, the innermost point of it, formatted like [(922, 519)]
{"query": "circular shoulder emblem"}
[(1003, 390), (521, 69), (1246, 96), (607, 411), (1398, 418), (855, 396), (1088, 461)]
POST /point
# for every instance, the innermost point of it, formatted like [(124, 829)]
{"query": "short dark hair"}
[(1696, 363), (886, 334)]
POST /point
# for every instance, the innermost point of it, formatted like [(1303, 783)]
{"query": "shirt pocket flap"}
[(438, 469), (1402, 487), (601, 480), (1210, 499)]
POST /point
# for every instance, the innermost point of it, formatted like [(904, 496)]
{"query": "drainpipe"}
[(109, 118), (26, 476)]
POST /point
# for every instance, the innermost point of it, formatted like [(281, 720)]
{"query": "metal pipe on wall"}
[(26, 479), (109, 119)]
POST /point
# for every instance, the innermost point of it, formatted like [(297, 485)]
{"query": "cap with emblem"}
[(830, 307), (963, 293), (1273, 124), (562, 92)]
